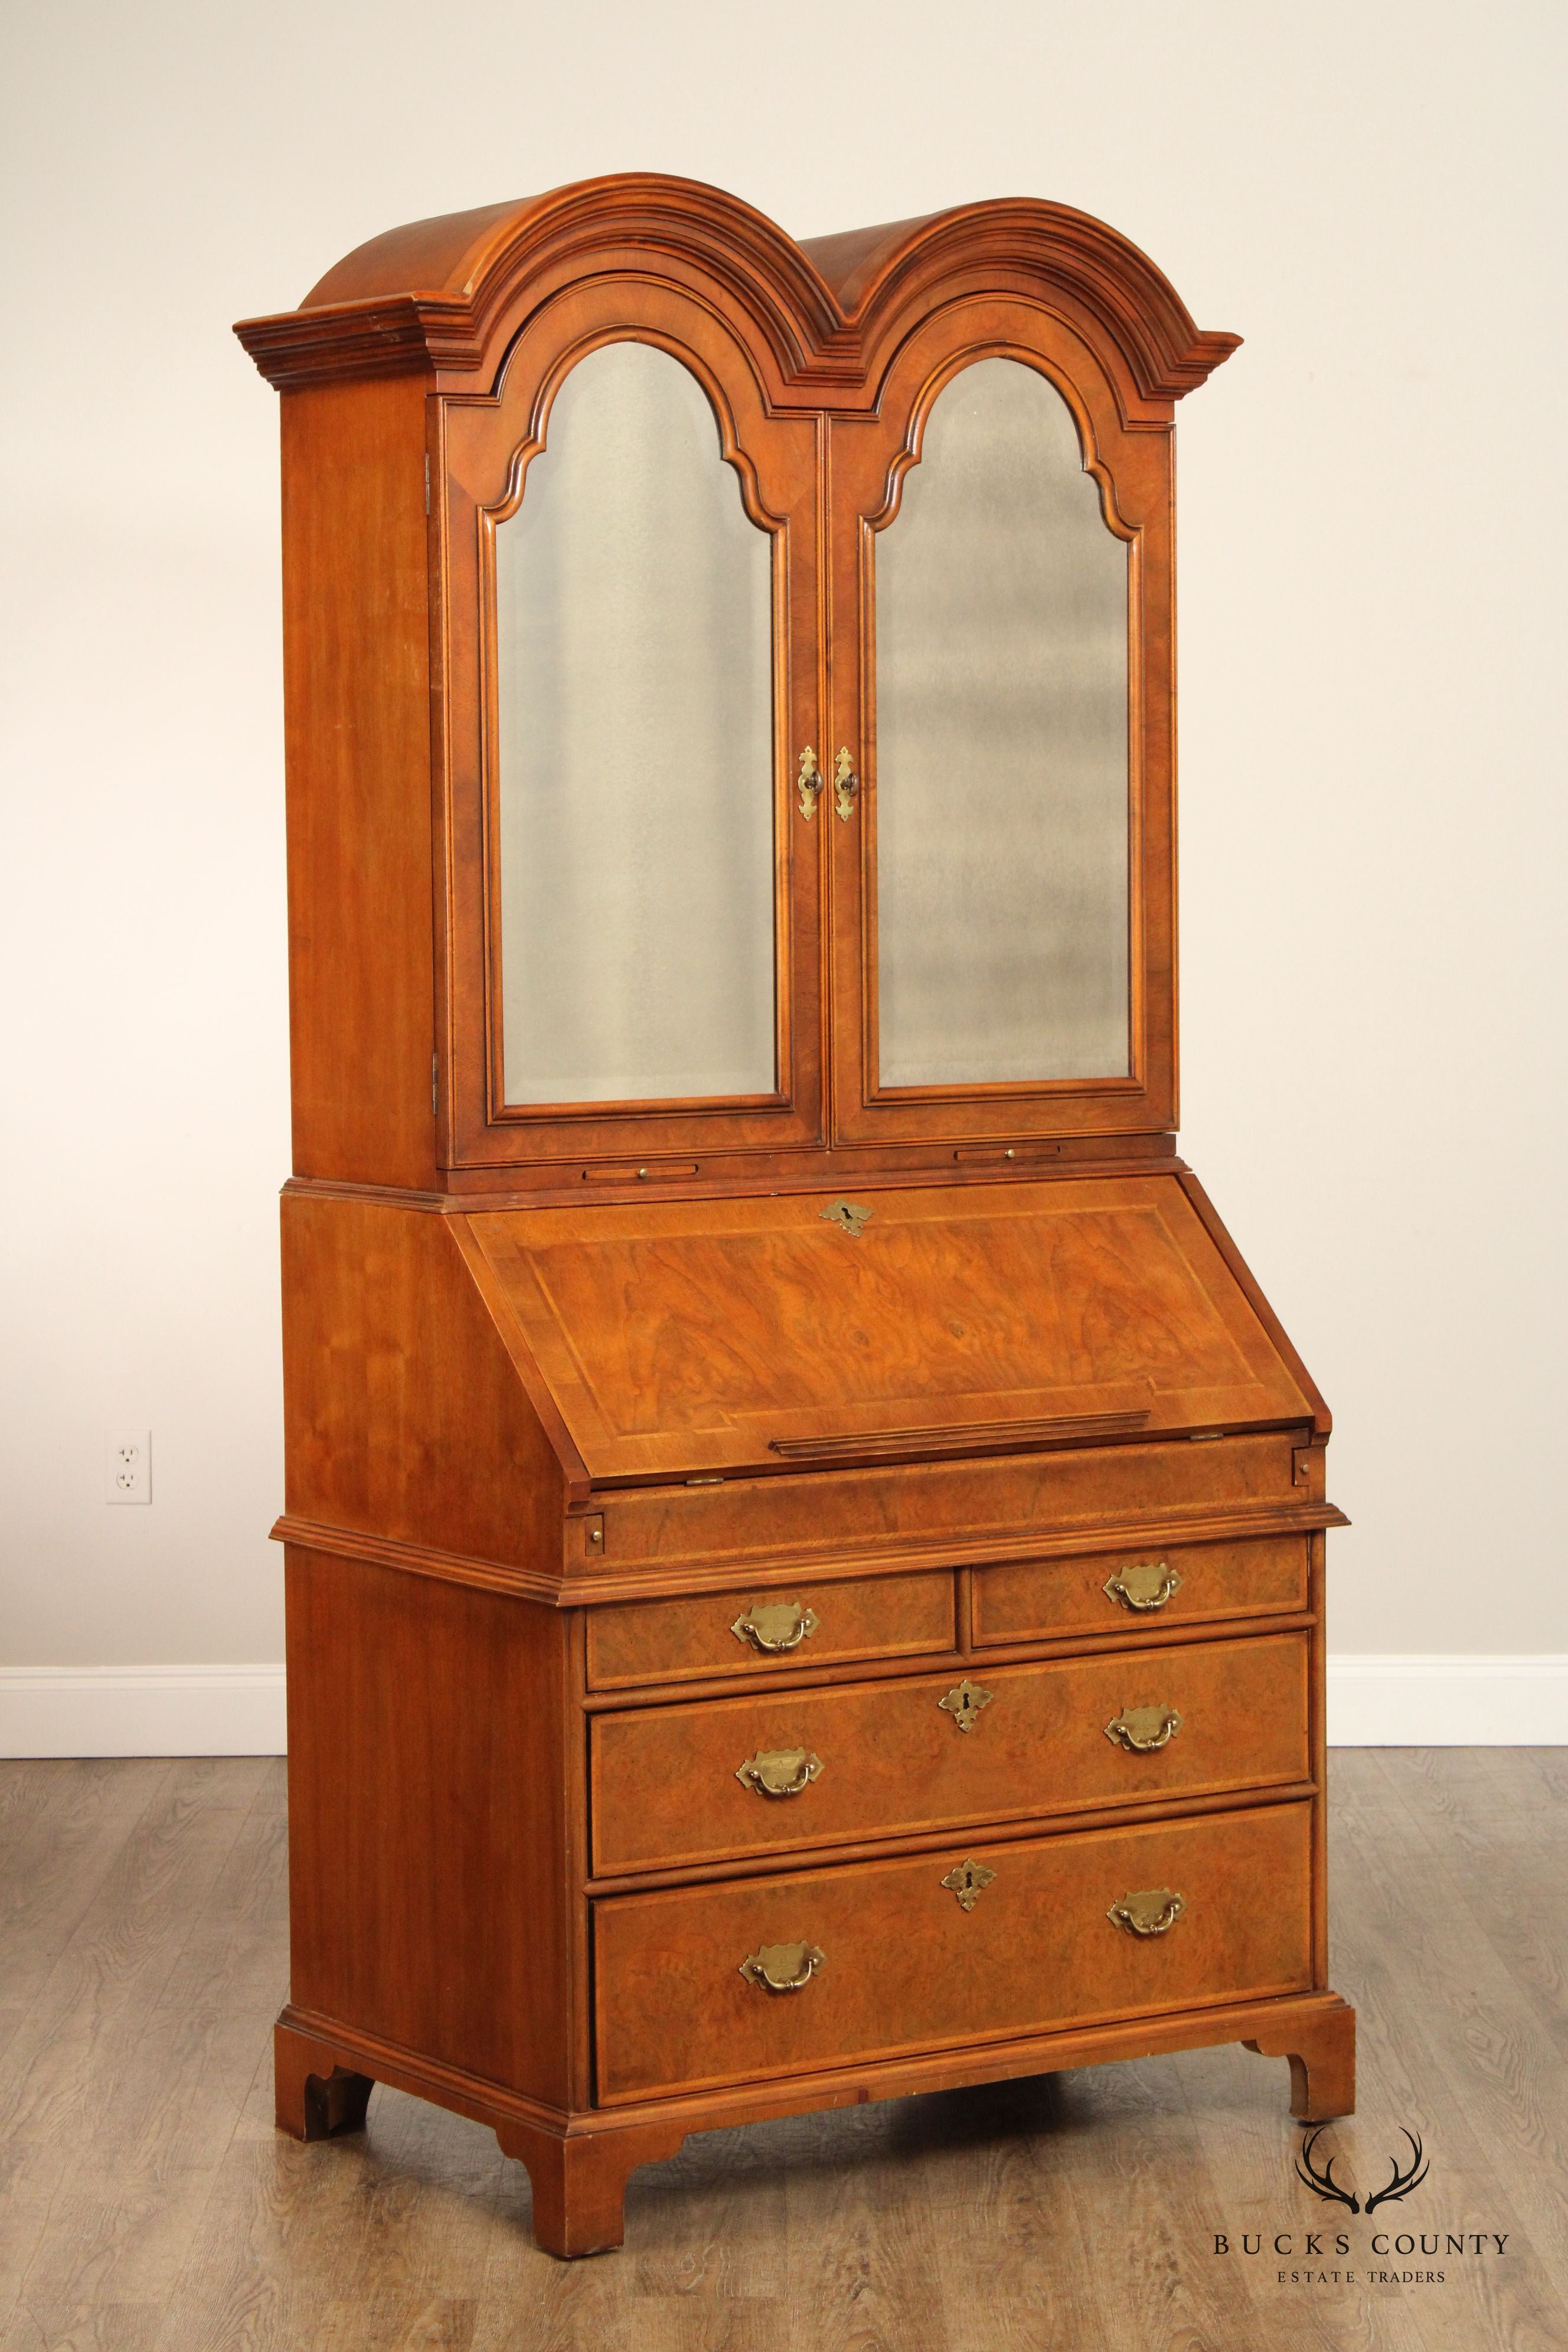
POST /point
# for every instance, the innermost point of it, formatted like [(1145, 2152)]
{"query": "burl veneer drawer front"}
[(744, 1632), (721, 1777), (1041, 1600), (707, 1985)]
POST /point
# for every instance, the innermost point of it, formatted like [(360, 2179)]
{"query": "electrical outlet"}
[(129, 1470)]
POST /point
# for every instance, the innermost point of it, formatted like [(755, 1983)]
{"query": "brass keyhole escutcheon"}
[(773, 1625), (968, 1881), (1148, 1584), (1155, 1912), (964, 1703), (779, 1771), (849, 1217), (1140, 1728), (783, 1968), (808, 784)]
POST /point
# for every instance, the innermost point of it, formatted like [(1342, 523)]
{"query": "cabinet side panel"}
[(404, 1415), (427, 1817), (357, 697)]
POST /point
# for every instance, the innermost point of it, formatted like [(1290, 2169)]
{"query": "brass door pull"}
[(775, 1625), (964, 1703), (1143, 1727), (808, 784), (1155, 1912), (783, 1968), (780, 1771), (846, 784), (1148, 1585)]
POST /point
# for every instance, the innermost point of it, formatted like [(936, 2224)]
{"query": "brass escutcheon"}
[(846, 784), (780, 1771), (1143, 1727), (968, 1881), (1148, 1585), (775, 1625), (1155, 1912), (783, 1968), (848, 1216), (964, 1703), (808, 784)]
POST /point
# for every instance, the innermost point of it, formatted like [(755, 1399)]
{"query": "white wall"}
[(1371, 625)]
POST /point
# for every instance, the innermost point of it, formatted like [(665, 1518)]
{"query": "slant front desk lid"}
[(793, 1331)]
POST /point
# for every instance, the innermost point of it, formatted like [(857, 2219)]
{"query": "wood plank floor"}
[(147, 2205)]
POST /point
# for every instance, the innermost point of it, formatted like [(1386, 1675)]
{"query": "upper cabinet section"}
[(784, 635)]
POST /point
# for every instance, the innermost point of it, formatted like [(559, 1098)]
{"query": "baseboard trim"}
[(1379, 1700), (1432, 1700), (141, 1711)]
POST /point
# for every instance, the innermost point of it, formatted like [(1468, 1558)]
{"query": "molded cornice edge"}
[(446, 297)]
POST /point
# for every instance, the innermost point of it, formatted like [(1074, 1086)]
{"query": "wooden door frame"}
[(870, 459), (483, 447)]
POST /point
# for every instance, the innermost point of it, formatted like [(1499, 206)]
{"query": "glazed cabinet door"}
[(1001, 697), (630, 563)]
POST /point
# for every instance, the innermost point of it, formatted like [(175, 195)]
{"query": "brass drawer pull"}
[(783, 1968), (846, 784), (1155, 1912), (1148, 1585), (964, 1703), (780, 1771), (775, 1625), (1140, 1728), (808, 784)]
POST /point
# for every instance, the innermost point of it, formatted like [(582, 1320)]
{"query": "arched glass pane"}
[(634, 625), (1002, 785)]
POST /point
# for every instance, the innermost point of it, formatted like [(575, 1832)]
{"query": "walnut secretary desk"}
[(804, 1539)]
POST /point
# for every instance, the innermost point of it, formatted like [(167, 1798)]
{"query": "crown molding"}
[(445, 297)]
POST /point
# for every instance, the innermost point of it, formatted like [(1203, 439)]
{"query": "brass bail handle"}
[(1153, 1912), (779, 1771), (772, 1625), (783, 1968), (1142, 1728), (846, 784), (1147, 1585), (808, 782)]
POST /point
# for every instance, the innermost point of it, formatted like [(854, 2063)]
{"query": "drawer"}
[(884, 1759), (1157, 1585), (943, 1507), (902, 1965), (816, 1624)]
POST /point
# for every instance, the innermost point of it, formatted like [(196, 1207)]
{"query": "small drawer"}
[(722, 1779), (970, 1944), (793, 1625), (1163, 1584)]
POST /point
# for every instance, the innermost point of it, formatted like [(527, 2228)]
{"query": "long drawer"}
[(771, 1772), (876, 1958)]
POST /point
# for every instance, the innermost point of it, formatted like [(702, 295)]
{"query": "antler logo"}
[(1323, 2184)]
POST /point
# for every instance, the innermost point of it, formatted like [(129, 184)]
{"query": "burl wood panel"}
[(404, 1413), (430, 1894), (686, 1641), (736, 1334), (356, 659), (1034, 1601), (894, 1762), (906, 1967)]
